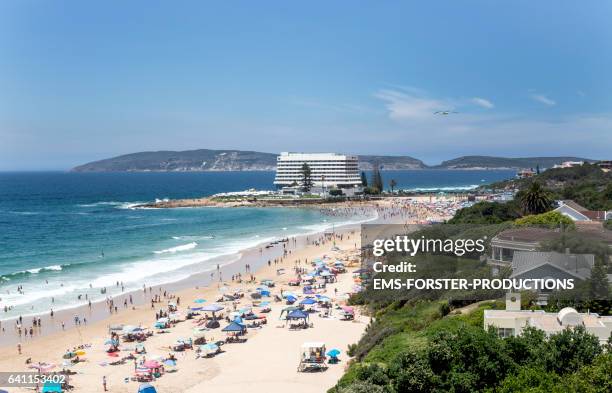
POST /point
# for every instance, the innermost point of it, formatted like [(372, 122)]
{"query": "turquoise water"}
[(64, 234)]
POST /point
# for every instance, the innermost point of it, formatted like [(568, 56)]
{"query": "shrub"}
[(551, 220)]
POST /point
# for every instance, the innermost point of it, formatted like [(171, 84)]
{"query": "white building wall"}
[(327, 169)]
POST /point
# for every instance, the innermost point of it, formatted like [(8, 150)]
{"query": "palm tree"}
[(392, 184), (536, 199)]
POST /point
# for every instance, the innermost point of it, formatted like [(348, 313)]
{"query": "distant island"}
[(202, 160)]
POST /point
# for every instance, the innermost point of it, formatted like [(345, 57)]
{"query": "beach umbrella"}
[(291, 298), (333, 353), (234, 327), (50, 387), (199, 301), (152, 364), (285, 294), (195, 308), (170, 363), (209, 348), (322, 298), (212, 308), (308, 301), (80, 352)]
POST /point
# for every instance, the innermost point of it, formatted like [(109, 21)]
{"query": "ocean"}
[(64, 234)]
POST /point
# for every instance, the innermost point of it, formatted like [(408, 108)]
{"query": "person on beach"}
[(104, 383), (19, 348)]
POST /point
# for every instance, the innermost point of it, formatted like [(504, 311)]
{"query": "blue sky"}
[(87, 80)]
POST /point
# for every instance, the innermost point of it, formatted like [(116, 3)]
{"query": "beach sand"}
[(267, 362)]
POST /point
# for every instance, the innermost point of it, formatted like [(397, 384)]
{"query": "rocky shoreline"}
[(216, 202)]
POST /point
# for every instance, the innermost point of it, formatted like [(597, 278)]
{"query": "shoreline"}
[(229, 264), (49, 348)]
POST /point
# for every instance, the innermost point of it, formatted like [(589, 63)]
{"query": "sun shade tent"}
[(308, 301), (146, 388), (312, 357), (234, 327), (297, 314)]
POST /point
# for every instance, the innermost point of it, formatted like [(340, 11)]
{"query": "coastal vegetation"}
[(424, 341), (587, 185), (414, 347), (549, 219), (504, 162)]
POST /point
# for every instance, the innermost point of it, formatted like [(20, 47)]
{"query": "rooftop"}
[(578, 265)]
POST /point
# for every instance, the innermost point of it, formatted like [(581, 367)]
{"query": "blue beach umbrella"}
[(308, 301), (199, 301), (146, 388), (333, 353), (49, 387), (170, 363)]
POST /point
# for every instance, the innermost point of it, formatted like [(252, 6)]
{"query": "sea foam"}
[(183, 247)]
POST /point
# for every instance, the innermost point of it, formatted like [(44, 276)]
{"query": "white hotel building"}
[(328, 170)]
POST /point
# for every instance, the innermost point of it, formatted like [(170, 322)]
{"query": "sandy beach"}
[(269, 357), (266, 362)]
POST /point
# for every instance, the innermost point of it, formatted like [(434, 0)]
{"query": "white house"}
[(512, 321)]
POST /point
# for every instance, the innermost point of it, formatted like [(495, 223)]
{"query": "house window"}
[(505, 332)]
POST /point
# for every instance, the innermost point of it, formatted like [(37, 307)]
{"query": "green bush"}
[(550, 219)]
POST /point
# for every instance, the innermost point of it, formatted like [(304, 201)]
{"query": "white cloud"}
[(542, 99), (425, 134), (406, 105), (483, 102)]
